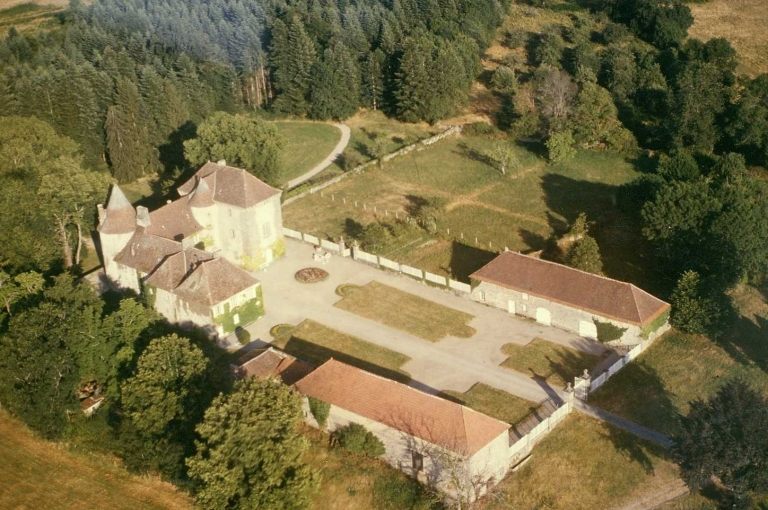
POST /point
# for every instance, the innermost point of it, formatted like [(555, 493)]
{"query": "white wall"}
[(181, 312), (490, 463)]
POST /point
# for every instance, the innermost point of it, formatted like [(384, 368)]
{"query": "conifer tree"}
[(336, 88), (293, 69)]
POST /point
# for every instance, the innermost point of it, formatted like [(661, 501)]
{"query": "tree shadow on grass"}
[(316, 355), (466, 259), (631, 446)]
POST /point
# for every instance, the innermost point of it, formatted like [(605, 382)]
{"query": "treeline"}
[(128, 80)]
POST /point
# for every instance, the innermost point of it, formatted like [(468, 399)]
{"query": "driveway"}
[(328, 161), (449, 364)]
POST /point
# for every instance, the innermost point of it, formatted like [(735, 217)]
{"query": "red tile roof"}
[(173, 221), (174, 268), (214, 281), (592, 293), (145, 252), (433, 419), (120, 216), (230, 185), (273, 363)]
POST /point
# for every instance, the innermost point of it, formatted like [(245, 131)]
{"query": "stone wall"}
[(549, 312)]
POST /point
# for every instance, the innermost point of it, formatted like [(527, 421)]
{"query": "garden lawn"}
[(305, 145), (353, 482), (554, 363), (584, 464), (493, 402), (315, 343), (680, 368), (481, 208), (35, 473), (405, 311)]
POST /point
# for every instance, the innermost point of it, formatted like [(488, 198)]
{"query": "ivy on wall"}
[(246, 313), (607, 332), (320, 410), (655, 324)]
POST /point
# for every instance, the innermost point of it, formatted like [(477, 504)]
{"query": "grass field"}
[(306, 145), (742, 22), (493, 402), (352, 482), (554, 363), (680, 368), (26, 15), (521, 210), (407, 312), (315, 343), (584, 464), (38, 474)]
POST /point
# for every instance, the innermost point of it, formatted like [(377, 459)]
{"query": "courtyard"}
[(431, 355)]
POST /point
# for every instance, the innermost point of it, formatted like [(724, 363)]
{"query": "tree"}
[(584, 254), (294, 55), (748, 118), (699, 98), (130, 151), (679, 165), (162, 393), (594, 119), (663, 24), (15, 288), (549, 48), (357, 439), (502, 156), (691, 311), (555, 92), (560, 147), (504, 80), (242, 140), (725, 437), (336, 89), (250, 450)]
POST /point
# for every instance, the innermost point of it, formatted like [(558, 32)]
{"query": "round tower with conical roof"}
[(117, 223), (203, 209)]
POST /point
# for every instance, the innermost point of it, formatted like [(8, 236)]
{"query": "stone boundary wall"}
[(420, 145), (598, 381), (525, 444)]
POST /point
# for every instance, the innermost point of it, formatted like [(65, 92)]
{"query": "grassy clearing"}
[(554, 363), (584, 464), (520, 211), (38, 474), (493, 402), (680, 368), (407, 312), (315, 343), (351, 482), (306, 145), (367, 126), (27, 15), (742, 22)]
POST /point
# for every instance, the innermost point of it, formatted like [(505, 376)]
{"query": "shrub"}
[(607, 332), (560, 147), (243, 335), (478, 129), (504, 80), (393, 491), (516, 38), (355, 438), (320, 410), (692, 312)]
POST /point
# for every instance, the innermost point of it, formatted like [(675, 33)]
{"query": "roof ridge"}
[(566, 266)]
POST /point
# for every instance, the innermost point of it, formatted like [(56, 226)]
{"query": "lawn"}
[(305, 145), (315, 343), (493, 402), (26, 15), (742, 22), (39, 474), (479, 207), (405, 311), (352, 482), (554, 363), (584, 464)]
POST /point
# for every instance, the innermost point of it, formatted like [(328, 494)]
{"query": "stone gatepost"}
[(581, 385), (342, 246)]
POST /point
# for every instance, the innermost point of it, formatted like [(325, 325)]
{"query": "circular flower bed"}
[(311, 275)]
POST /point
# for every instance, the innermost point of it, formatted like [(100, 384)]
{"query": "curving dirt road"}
[(335, 153)]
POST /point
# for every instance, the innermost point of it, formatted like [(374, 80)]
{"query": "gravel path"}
[(328, 161)]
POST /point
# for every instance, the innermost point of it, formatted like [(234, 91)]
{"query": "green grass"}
[(315, 343), (353, 482), (551, 362), (38, 474), (521, 210), (407, 312), (25, 16), (584, 464), (305, 145), (493, 402)]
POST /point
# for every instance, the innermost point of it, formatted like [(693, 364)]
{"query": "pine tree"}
[(691, 311), (336, 88), (585, 255), (131, 154), (293, 68)]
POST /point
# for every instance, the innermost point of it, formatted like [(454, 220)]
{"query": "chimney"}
[(142, 216), (222, 162), (102, 213)]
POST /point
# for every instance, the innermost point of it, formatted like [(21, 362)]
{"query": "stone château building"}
[(192, 256)]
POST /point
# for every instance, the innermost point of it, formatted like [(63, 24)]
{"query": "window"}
[(266, 230), (482, 295), (417, 461)]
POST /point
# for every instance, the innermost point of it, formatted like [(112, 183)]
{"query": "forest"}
[(113, 90)]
